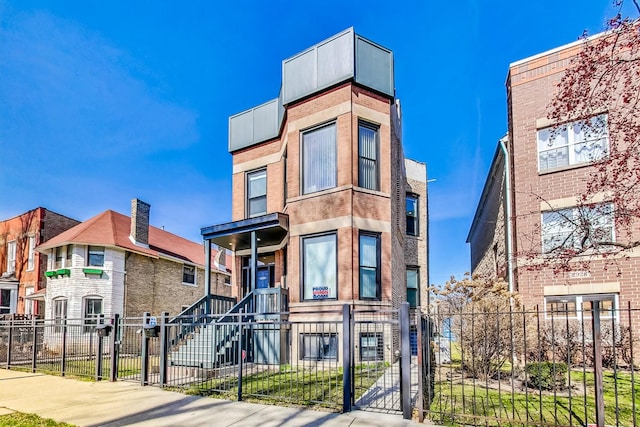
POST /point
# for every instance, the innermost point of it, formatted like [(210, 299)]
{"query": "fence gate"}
[(380, 339)]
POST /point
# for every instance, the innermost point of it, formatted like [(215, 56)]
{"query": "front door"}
[(265, 276)]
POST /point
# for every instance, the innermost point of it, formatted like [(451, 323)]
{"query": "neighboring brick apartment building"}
[(113, 263), (21, 266), (320, 189), (548, 165)]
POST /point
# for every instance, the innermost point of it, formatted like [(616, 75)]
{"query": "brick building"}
[(320, 190), (22, 281), (113, 263), (548, 165)]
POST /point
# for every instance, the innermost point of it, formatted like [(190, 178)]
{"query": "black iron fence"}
[(334, 359), (500, 366)]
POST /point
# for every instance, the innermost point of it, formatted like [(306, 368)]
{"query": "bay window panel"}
[(320, 267), (369, 266), (257, 193), (319, 159)]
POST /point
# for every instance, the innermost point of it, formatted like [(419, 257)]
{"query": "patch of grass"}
[(19, 419), (457, 404), (319, 388), (84, 368)]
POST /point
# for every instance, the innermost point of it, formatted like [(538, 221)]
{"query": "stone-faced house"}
[(115, 264)]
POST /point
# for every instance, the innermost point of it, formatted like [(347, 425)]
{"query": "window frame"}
[(248, 199), (12, 255), (91, 320), (195, 275), (57, 257), (95, 251), (416, 217), (68, 259), (303, 240), (572, 142), (377, 267), (417, 287), (31, 257), (321, 356), (579, 301), (303, 169), (548, 230), (60, 316), (379, 348), (362, 158)]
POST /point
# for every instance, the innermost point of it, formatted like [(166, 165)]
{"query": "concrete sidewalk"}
[(121, 403)]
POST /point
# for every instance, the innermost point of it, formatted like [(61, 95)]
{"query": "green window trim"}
[(64, 271), (92, 271)]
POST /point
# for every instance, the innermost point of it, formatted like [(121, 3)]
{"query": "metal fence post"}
[(63, 367), (113, 372), (347, 397), (239, 355), (405, 361), (164, 347), (144, 371), (10, 342), (100, 350), (34, 352), (597, 363)]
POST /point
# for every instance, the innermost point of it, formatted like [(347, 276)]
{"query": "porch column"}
[(207, 274), (254, 261)]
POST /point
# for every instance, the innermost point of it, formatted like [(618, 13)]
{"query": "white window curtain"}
[(319, 159), (368, 266), (320, 265)]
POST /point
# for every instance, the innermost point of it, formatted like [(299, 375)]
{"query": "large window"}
[(369, 265), (31, 261), (319, 159), (319, 263), (92, 312), (412, 215), (5, 301), (59, 313), (577, 228), (413, 286), (581, 306), (319, 346), (257, 193), (368, 156), (572, 144), (96, 256), (189, 274)]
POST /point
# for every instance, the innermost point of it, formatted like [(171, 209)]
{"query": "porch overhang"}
[(271, 229)]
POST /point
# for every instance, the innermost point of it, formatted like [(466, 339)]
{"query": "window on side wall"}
[(572, 143), (319, 263), (371, 346), (95, 256), (28, 303), (368, 176), (581, 306), (369, 265), (11, 256), (92, 312), (319, 159), (578, 228), (257, 193), (413, 286), (69, 256), (322, 346), (59, 313), (412, 215), (189, 274), (31, 261), (58, 257)]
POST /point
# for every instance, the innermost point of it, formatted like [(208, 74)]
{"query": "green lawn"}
[(459, 405), (18, 419), (83, 368), (306, 387)]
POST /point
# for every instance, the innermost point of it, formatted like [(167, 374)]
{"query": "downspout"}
[(507, 198)]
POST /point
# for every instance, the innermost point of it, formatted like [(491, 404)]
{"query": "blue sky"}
[(101, 102)]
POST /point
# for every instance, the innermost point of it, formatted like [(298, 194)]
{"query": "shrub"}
[(546, 375)]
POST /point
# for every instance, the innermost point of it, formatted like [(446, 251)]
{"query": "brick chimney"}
[(140, 222)]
